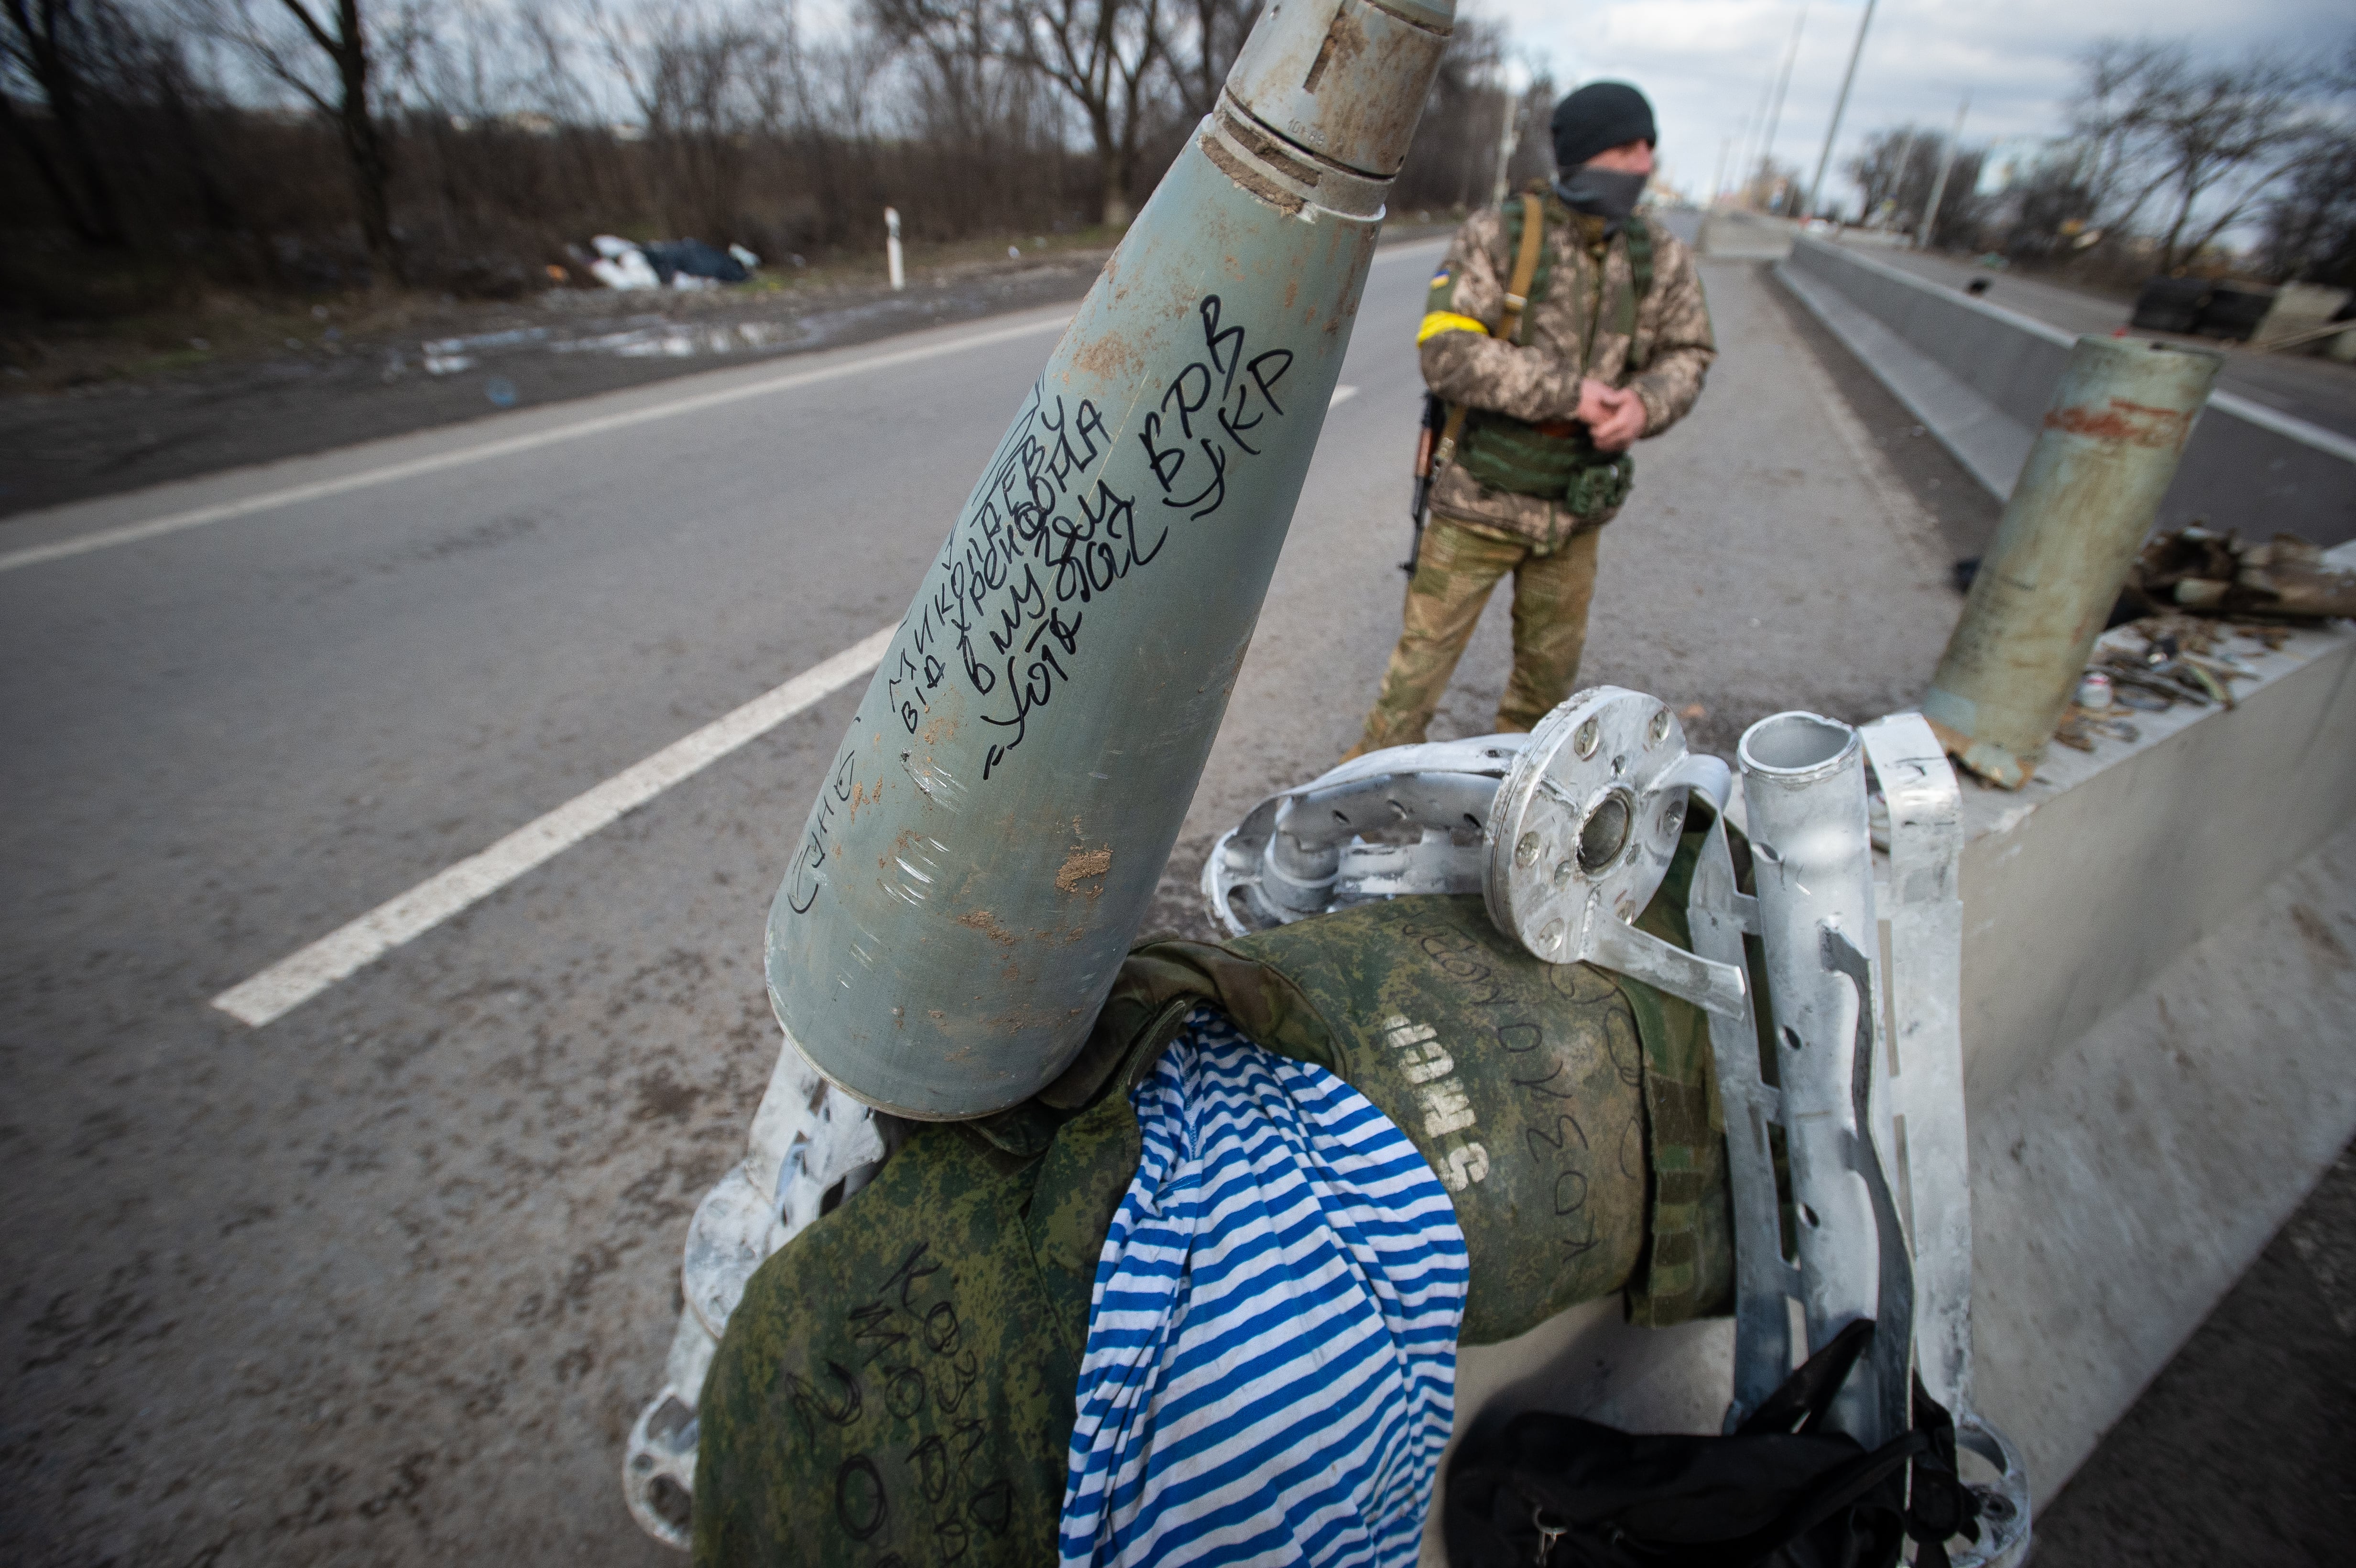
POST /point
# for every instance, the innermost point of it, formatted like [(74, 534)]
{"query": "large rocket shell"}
[(988, 837)]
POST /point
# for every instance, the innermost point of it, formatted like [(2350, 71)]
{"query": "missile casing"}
[(987, 838), (2121, 415)]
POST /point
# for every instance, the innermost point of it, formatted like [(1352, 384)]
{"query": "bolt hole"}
[(1344, 821), (1605, 834), (1472, 822), (1790, 1040), (671, 1503), (1809, 1217)]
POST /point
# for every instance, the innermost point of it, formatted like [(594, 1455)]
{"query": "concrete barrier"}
[(1979, 378), (2158, 1004)]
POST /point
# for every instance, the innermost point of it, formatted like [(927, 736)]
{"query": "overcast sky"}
[(1706, 63)]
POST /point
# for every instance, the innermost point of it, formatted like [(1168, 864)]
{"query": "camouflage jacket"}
[(1578, 324)]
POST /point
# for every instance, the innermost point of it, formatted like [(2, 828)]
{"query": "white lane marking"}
[(222, 511), (1341, 395), (292, 981)]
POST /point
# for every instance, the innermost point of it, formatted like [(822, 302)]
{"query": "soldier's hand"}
[(1623, 418), (1596, 401)]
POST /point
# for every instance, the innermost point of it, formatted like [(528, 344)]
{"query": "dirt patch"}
[(1082, 865), (982, 920)]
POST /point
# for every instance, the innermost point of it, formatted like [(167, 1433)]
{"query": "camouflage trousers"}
[(1454, 576)]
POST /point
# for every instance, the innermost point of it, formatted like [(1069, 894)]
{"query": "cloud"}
[(1707, 63)]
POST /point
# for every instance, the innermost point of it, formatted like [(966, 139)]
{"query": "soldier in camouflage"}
[(1611, 346)]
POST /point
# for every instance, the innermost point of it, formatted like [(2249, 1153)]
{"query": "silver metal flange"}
[(1583, 832)]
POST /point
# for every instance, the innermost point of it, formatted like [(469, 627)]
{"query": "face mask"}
[(1606, 193)]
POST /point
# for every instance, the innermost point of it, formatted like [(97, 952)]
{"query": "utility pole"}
[(1840, 107), (1506, 137), (1717, 179), (1783, 81), (1947, 162)]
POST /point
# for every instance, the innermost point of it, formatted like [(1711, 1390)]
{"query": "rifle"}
[(1427, 438), (1443, 425)]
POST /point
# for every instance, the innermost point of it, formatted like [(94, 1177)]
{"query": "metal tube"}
[(2121, 415), (1803, 788), (993, 827)]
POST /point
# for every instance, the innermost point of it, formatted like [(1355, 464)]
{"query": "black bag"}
[(1779, 1492)]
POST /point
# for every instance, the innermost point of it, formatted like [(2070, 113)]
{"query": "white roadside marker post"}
[(892, 248)]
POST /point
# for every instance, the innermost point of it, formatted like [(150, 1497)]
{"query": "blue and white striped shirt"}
[(1271, 1369)]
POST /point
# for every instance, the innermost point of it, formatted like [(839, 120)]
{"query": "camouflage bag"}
[(897, 1384)]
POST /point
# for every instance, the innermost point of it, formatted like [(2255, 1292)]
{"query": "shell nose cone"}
[(1345, 79)]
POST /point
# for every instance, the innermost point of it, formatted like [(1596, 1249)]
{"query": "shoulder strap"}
[(1526, 267), (1517, 300), (1640, 255)]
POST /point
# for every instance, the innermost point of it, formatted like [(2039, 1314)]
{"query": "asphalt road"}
[(387, 1279)]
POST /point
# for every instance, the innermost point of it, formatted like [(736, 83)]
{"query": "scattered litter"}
[(2095, 691), (318, 312), (685, 264), (622, 265), (447, 364), (1014, 253), (201, 345), (501, 391), (2218, 574)]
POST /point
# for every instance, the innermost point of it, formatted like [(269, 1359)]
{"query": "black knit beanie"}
[(1599, 116)]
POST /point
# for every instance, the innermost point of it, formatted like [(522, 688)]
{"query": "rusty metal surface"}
[(996, 821), (1325, 75), (2110, 444)]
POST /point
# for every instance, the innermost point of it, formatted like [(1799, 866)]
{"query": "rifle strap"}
[(1517, 300)]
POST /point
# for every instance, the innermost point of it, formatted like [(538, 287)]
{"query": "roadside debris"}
[(683, 264), (2218, 574)]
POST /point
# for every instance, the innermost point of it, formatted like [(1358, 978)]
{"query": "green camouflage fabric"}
[(1455, 570), (1584, 319), (896, 1386)]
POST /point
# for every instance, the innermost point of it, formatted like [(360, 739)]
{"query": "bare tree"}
[(347, 98), (1210, 33), (2197, 147), (52, 43), (1104, 54)]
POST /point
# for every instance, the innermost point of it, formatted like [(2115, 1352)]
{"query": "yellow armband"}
[(1441, 321)]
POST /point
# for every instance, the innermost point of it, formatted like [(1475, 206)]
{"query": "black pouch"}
[(1779, 1492)]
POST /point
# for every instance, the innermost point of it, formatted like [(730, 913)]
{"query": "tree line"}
[(460, 144), (2167, 157)]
